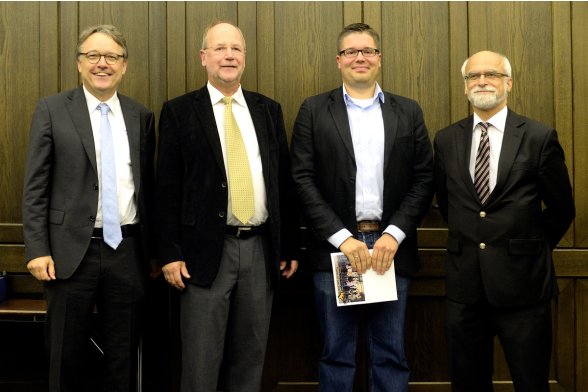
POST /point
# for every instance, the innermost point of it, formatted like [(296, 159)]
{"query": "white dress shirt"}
[(495, 135), (367, 133), (245, 122), (127, 208)]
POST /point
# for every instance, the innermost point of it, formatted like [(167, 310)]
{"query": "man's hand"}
[(357, 253), (42, 268), (288, 269), (383, 254), (173, 273)]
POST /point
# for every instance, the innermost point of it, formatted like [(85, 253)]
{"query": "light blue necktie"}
[(110, 221)]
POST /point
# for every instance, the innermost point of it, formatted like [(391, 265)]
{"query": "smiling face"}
[(101, 79), (359, 72), (487, 95), (224, 57)]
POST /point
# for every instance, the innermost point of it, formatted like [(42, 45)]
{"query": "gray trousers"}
[(227, 324)]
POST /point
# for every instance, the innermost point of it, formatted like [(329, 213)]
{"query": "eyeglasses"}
[(367, 52), (94, 57), (472, 77), (224, 50)]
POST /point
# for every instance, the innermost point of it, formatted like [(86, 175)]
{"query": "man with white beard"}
[(503, 188)]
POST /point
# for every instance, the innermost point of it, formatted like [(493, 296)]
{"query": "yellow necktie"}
[(240, 180)]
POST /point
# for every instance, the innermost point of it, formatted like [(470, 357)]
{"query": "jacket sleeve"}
[(37, 182)]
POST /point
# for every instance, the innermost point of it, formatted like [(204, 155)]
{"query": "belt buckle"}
[(242, 229)]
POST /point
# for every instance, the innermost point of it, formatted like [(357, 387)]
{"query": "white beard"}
[(485, 101)]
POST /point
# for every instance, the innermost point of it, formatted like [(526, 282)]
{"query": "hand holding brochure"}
[(353, 288)]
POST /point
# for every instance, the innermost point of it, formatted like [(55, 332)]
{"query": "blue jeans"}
[(388, 368)]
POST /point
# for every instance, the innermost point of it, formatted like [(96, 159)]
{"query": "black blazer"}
[(324, 171), (61, 182), (192, 192), (515, 268)]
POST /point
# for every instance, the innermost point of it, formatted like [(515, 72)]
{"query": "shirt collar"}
[(498, 121), (378, 94), (216, 96), (93, 102)]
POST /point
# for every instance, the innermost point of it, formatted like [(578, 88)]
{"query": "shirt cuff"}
[(395, 232), (339, 237)]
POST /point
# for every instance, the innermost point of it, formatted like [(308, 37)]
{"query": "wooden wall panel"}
[(415, 56), (306, 46), (582, 335), (562, 90), (19, 91), (579, 15)]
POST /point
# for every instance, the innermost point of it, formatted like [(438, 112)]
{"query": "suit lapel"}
[(78, 112), (338, 111), (463, 146), (205, 115), (257, 112), (133, 125), (390, 127), (513, 135)]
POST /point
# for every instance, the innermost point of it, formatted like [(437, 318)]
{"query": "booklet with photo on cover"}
[(353, 288)]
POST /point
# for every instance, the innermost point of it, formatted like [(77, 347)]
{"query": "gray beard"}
[(485, 101)]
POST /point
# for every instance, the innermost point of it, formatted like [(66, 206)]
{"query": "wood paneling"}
[(579, 61), (291, 49)]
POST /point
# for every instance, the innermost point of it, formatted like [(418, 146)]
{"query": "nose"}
[(102, 61)]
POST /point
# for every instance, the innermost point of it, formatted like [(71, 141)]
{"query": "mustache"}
[(484, 90)]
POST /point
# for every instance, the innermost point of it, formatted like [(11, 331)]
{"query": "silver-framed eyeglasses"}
[(491, 75), (366, 52), (94, 57)]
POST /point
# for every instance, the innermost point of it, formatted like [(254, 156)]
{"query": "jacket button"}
[(223, 184), (221, 214), (482, 214), (92, 218), (482, 246), (95, 187)]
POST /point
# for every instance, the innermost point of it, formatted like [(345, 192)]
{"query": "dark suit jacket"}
[(61, 183), (192, 192), (515, 268), (324, 171)]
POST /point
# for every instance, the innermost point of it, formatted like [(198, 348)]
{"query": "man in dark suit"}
[(503, 188), (87, 191), (363, 166), (224, 217)]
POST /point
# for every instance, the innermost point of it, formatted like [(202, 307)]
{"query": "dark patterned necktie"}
[(482, 172)]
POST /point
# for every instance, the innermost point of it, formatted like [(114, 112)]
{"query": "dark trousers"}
[(224, 327), (524, 333), (111, 282)]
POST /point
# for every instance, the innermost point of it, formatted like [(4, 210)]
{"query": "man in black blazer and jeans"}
[(363, 166), (503, 187), (226, 231)]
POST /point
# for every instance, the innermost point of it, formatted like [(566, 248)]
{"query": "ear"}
[(338, 59), (124, 66), (203, 57)]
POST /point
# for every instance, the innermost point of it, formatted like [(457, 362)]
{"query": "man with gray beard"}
[(503, 188)]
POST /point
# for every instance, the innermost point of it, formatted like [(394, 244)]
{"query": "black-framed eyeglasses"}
[(487, 75), (94, 57), (366, 52)]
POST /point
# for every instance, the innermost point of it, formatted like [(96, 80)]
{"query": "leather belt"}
[(126, 230), (368, 226), (245, 231)]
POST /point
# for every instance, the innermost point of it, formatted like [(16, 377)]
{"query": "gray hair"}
[(505, 64), (110, 31)]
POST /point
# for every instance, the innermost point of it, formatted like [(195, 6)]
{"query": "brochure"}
[(353, 288)]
